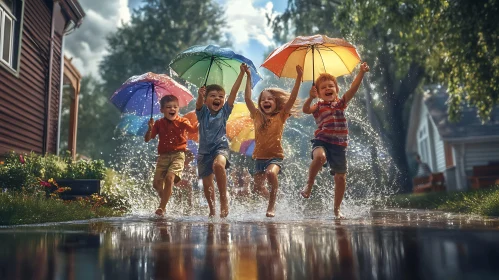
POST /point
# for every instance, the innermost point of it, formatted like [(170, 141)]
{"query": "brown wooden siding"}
[(22, 99)]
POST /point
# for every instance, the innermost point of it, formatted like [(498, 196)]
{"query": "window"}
[(9, 28)]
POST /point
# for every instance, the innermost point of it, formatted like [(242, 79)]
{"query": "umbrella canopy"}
[(202, 65), (238, 120), (193, 119), (245, 135), (316, 54), (140, 95), (134, 125)]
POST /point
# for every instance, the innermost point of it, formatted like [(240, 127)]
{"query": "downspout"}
[(61, 89), (48, 83)]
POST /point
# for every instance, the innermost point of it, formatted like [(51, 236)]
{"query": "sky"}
[(247, 28)]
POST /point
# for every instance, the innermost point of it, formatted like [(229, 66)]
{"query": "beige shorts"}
[(170, 162)]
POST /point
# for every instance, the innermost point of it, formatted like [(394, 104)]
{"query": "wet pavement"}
[(387, 244)]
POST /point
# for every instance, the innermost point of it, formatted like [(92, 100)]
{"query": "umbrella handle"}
[(313, 67), (152, 97), (209, 68)]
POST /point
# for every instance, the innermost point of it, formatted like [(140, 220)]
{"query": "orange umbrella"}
[(315, 54), (191, 116)]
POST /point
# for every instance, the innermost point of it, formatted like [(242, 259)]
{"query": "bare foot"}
[(224, 212), (160, 212), (212, 214), (270, 214), (338, 215), (306, 192)]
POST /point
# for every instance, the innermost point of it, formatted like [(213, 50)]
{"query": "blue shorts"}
[(262, 164), (335, 155), (205, 162)]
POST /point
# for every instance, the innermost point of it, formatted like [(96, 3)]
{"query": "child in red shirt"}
[(172, 130)]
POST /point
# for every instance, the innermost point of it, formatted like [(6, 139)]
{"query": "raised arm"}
[(307, 107), (247, 91), (148, 135), (356, 83), (296, 88), (200, 100), (236, 86)]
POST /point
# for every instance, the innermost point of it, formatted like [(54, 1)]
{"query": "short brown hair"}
[(168, 98), (214, 87), (326, 77)]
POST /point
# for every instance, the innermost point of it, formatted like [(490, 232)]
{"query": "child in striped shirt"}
[(331, 137)]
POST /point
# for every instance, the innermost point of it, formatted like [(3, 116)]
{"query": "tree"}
[(158, 31), (96, 122)]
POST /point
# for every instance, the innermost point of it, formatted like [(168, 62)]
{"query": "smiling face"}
[(267, 102), (170, 110), (328, 90), (215, 100)]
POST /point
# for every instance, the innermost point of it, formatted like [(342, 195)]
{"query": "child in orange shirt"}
[(172, 130), (275, 106)]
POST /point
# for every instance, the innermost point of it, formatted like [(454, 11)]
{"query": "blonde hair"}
[(281, 98), (326, 77)]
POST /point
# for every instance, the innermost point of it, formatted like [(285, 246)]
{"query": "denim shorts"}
[(335, 155), (262, 164), (205, 162)]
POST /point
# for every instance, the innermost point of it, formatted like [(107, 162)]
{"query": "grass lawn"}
[(16, 209), (482, 202)]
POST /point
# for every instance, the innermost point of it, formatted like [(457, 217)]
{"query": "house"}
[(33, 71), (453, 148)]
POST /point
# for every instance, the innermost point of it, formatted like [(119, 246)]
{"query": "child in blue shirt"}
[(213, 112)]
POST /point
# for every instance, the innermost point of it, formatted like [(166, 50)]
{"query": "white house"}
[(453, 148)]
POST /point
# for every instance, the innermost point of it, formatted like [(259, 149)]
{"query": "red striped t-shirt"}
[(332, 126)]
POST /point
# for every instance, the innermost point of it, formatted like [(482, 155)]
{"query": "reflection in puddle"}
[(388, 245)]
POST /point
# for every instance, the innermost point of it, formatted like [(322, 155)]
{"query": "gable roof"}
[(468, 128)]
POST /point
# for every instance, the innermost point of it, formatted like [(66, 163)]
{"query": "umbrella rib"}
[(322, 60), (188, 68), (139, 87), (329, 48)]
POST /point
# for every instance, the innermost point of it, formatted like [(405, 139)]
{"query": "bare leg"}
[(167, 191), (271, 174), (259, 187), (316, 165), (209, 193), (158, 186), (221, 176), (339, 191)]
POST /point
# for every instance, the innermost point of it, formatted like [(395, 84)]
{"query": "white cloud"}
[(87, 44), (245, 21)]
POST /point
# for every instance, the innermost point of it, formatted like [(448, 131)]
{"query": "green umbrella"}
[(205, 65)]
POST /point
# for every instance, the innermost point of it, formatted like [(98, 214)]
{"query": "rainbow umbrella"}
[(238, 119), (316, 54), (138, 92), (247, 147), (202, 65), (246, 135)]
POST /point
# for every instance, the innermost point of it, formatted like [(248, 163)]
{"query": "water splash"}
[(370, 177)]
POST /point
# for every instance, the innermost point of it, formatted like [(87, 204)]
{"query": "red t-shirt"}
[(172, 134)]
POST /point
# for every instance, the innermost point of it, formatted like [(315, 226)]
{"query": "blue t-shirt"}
[(212, 129)]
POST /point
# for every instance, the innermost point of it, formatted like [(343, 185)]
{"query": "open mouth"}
[(172, 114), (267, 106), (329, 94)]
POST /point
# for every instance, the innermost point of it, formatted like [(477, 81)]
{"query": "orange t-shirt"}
[(268, 139), (172, 134)]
